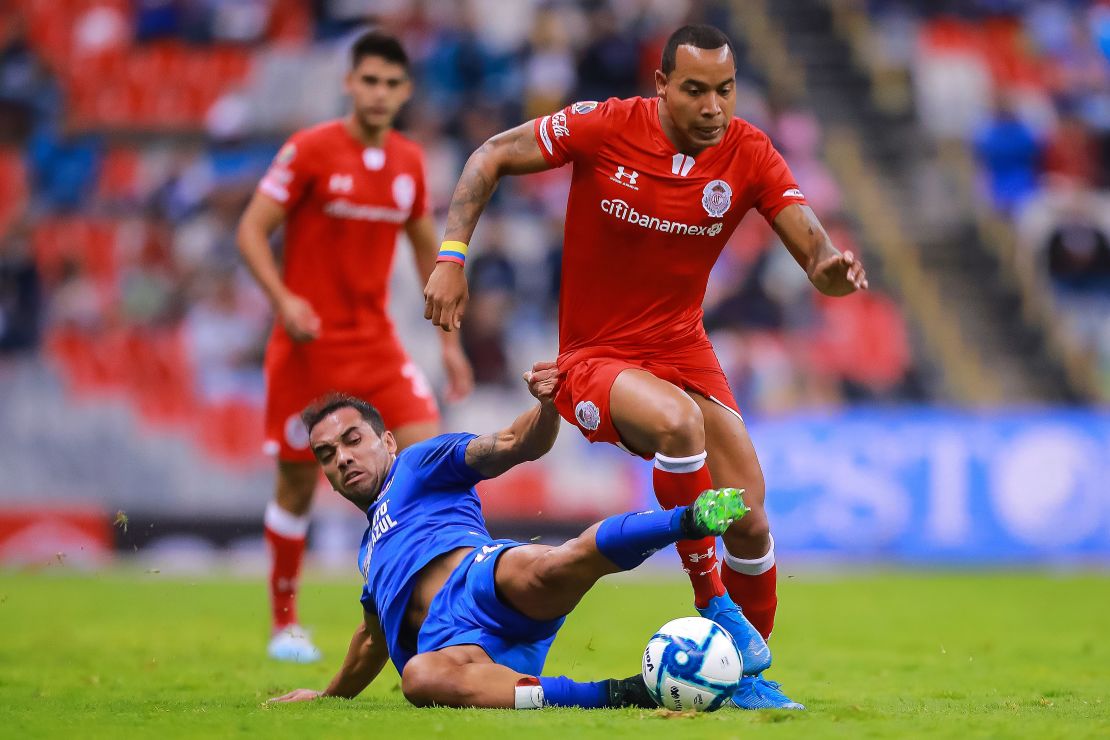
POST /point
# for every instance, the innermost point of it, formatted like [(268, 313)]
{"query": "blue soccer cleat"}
[(756, 692), (753, 648)]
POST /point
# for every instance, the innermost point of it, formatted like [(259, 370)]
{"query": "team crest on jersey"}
[(588, 415), (716, 198), (583, 106), (296, 436), (285, 156)]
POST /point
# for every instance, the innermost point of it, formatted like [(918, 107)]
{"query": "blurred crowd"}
[(133, 133), (1026, 83)]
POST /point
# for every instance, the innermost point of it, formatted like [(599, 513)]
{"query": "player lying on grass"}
[(467, 619)]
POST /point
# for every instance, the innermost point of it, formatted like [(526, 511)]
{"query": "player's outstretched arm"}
[(831, 271), (365, 659), (530, 437), (259, 221), (460, 375), (512, 152)]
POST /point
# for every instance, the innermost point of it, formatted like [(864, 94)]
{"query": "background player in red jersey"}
[(343, 189), (658, 187)]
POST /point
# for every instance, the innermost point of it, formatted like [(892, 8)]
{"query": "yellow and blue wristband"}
[(452, 251)]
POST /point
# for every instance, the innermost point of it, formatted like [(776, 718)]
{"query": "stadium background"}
[(949, 416)]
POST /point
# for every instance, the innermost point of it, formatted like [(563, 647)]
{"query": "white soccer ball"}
[(692, 663)]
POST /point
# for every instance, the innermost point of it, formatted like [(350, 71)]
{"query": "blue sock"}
[(629, 539), (560, 691)]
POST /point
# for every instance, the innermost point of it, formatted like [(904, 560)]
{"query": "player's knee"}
[(422, 682), (753, 527), (679, 427)]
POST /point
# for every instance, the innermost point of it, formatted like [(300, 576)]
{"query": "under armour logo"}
[(631, 174), (626, 177), (697, 557)]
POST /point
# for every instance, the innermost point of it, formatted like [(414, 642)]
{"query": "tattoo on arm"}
[(512, 152), (471, 195), (481, 451)]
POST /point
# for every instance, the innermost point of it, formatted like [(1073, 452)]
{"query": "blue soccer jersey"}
[(428, 506)]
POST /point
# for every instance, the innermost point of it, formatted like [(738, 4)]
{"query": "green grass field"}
[(890, 655)]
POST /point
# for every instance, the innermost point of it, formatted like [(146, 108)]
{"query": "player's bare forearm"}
[(258, 222), (422, 235), (529, 437), (512, 152), (365, 659), (831, 271)]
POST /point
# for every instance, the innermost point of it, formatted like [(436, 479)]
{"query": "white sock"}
[(281, 522), (680, 464), (755, 567)]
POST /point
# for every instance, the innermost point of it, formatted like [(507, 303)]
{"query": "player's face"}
[(700, 95), (355, 459), (378, 88)]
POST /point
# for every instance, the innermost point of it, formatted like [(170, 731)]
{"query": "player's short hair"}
[(378, 44), (700, 37), (332, 402)]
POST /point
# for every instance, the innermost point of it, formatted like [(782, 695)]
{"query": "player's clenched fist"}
[(542, 381), (445, 296)]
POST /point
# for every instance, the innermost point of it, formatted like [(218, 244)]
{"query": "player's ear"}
[(660, 84), (390, 442), (349, 81)]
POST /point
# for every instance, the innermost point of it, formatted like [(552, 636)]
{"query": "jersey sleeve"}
[(575, 131), (441, 461), (774, 188), (290, 174)]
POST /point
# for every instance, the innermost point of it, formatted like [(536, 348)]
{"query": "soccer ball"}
[(692, 663)]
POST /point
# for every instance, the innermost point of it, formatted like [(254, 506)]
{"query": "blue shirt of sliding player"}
[(428, 506)]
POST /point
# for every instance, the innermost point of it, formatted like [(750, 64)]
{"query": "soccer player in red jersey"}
[(658, 186), (343, 189)]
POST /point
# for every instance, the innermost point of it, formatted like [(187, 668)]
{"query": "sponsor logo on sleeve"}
[(544, 136), (559, 125), (286, 154), (793, 193), (716, 198), (583, 106)]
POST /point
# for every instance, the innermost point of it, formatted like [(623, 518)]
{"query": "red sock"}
[(285, 534), (752, 584), (677, 482)]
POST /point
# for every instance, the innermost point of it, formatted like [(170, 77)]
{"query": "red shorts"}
[(587, 376), (297, 374)]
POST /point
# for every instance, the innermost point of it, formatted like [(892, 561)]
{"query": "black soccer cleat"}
[(630, 692)]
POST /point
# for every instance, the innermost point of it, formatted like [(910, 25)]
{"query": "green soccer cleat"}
[(713, 512)]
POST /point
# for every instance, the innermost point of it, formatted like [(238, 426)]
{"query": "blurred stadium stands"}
[(961, 147)]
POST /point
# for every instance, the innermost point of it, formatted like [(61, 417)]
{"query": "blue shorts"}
[(467, 611)]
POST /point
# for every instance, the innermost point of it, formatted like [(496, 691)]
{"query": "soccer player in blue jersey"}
[(468, 619)]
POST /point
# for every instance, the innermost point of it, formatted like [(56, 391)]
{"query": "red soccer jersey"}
[(345, 204), (645, 223)]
